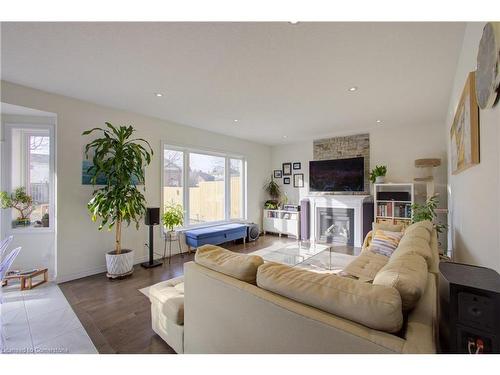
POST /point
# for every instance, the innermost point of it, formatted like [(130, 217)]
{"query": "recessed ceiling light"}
[(353, 88), (158, 94), (235, 120), (294, 22), (378, 121), (284, 136)]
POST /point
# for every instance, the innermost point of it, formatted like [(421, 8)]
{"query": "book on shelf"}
[(384, 209), (404, 211)]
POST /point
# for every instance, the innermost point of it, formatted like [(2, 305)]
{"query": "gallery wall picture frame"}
[(287, 169), (297, 165), (298, 180), (464, 133), (286, 180), (278, 173)]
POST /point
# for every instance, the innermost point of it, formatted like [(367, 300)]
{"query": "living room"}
[(250, 187)]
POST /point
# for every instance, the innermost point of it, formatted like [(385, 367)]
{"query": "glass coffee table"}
[(307, 255)]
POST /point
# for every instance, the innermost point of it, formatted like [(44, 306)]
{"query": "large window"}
[(236, 186), (209, 186), (173, 180), (30, 163)]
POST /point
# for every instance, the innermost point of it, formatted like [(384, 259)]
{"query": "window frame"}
[(186, 150), (29, 129)]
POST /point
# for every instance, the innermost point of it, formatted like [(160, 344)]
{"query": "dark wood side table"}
[(469, 305)]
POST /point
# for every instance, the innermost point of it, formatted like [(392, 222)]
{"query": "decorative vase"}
[(379, 179), (119, 265)]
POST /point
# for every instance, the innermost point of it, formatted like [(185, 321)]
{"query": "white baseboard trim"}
[(93, 271)]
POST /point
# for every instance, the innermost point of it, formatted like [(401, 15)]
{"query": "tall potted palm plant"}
[(121, 161)]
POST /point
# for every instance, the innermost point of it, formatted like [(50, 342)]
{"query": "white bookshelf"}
[(393, 211), (282, 222)]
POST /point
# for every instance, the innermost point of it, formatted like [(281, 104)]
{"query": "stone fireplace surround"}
[(354, 202)]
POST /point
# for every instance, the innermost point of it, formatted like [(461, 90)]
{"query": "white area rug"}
[(145, 290)]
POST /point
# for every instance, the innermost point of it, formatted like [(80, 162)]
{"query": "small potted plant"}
[(21, 202), (173, 217), (274, 191), (377, 175)]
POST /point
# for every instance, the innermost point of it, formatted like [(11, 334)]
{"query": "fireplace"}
[(335, 225)]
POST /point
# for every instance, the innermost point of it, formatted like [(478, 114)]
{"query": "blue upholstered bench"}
[(215, 235)]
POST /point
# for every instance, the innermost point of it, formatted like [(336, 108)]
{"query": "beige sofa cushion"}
[(416, 240), (366, 265), (170, 296), (387, 226), (408, 274), (240, 266), (422, 229), (375, 306)]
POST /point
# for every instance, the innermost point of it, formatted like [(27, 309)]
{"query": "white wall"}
[(38, 248), (474, 194), (396, 147), (80, 247)]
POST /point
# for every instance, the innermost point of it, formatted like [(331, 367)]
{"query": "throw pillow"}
[(387, 226), (385, 242)]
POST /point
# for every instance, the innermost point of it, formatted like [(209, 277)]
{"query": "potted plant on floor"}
[(21, 202), (377, 175), (121, 161)]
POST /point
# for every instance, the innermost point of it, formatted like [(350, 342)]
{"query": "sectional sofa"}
[(236, 303)]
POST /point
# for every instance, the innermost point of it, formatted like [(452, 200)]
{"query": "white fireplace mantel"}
[(339, 201)]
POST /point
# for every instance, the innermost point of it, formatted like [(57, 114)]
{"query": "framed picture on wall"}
[(278, 173), (298, 180), (286, 180), (287, 169), (297, 165), (464, 133)]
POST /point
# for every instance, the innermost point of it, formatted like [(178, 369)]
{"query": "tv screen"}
[(337, 175)]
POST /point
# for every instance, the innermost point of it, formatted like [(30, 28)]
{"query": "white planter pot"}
[(119, 265), (379, 179)]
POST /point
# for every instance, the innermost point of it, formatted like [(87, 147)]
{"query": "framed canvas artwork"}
[(464, 133), (278, 173), (297, 165), (286, 180)]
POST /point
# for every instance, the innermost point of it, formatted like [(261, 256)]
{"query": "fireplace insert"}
[(335, 225)]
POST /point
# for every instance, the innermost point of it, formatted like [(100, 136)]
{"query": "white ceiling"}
[(276, 78), (11, 109)]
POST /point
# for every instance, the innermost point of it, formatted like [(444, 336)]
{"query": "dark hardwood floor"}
[(117, 316)]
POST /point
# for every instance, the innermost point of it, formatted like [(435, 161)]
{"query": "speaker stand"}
[(151, 263)]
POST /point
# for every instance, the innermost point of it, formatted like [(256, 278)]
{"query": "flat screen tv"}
[(337, 175)]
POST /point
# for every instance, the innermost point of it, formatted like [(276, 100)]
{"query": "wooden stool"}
[(27, 278)]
